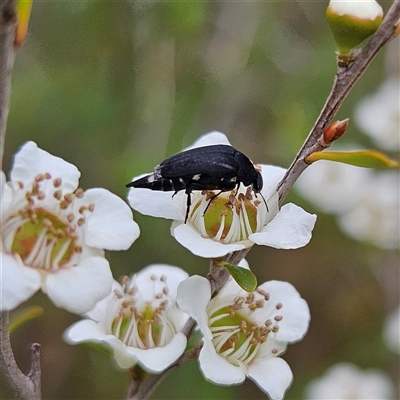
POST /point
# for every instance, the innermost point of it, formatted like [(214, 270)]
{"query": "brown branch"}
[(345, 79), (8, 24), (149, 384), (26, 387), (343, 82)]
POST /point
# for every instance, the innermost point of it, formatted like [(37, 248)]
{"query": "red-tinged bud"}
[(23, 12), (397, 31), (333, 132)]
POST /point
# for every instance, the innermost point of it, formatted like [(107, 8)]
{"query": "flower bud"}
[(333, 132), (353, 21)]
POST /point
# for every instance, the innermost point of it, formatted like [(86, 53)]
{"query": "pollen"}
[(238, 334), (44, 231), (227, 217), (140, 320)]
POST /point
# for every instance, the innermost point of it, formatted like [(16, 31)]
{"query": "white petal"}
[(122, 356), (273, 376), (203, 247), (77, 289), (100, 310), (196, 305), (295, 311), (31, 160), (2, 180), (360, 9), (290, 229), (174, 276), (347, 381), (158, 203), (6, 197), (158, 359), (271, 175), (211, 138), (110, 226), (89, 331), (217, 369), (84, 331), (17, 282)]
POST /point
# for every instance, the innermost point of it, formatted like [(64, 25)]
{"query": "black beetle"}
[(216, 167)]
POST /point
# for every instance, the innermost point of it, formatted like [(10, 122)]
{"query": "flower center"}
[(236, 336), (39, 237), (228, 217), (42, 240), (139, 323)]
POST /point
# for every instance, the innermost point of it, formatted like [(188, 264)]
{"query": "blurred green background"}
[(116, 87)]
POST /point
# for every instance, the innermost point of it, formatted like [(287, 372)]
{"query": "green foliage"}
[(360, 158), (243, 277)]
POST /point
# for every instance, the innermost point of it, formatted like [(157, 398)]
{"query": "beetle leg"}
[(188, 204)]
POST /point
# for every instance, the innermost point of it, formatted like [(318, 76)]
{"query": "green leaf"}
[(243, 277), (23, 316), (360, 158)]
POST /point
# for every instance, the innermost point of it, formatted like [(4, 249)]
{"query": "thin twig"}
[(149, 384), (25, 387), (8, 24), (343, 82)]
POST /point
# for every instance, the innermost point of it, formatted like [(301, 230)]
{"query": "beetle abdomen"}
[(162, 184)]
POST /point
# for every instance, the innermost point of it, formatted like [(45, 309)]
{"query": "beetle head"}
[(257, 182)]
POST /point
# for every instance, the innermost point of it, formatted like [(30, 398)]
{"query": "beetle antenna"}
[(266, 205)]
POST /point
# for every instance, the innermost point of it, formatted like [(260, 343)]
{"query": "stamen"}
[(33, 255), (218, 317), (60, 255), (221, 229), (57, 182)]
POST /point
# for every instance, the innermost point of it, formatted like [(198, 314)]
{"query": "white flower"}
[(53, 234), (333, 187), (391, 331), (366, 202), (378, 115), (360, 9), (231, 222), (244, 333), (347, 382), (376, 218), (139, 320)]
